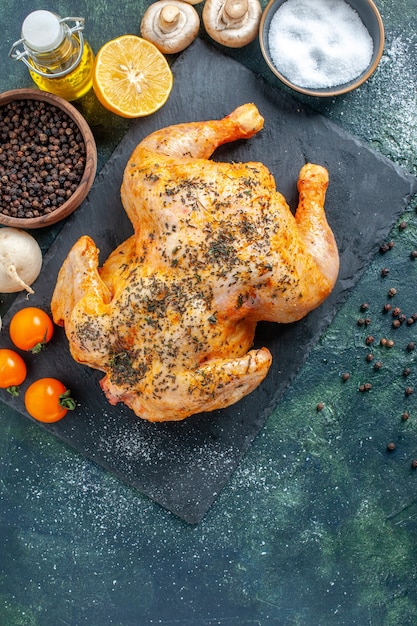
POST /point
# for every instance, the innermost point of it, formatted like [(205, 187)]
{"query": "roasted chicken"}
[(170, 317)]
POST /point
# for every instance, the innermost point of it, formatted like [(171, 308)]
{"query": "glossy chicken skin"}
[(170, 317)]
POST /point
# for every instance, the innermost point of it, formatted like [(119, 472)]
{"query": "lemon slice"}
[(132, 77)]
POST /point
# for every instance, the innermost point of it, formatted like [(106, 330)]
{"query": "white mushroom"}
[(20, 260), (232, 23), (171, 25)]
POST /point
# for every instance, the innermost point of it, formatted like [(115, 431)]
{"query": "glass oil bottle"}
[(58, 57)]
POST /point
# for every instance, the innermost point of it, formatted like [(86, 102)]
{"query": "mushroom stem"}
[(171, 25), (11, 271), (233, 23), (168, 18), (236, 9)]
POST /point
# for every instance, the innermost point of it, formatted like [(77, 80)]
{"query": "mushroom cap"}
[(232, 23), (171, 25)]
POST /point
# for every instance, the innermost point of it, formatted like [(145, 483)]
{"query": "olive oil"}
[(58, 57), (73, 85)]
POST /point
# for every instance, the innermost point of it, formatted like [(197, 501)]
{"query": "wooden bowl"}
[(371, 19), (87, 179)]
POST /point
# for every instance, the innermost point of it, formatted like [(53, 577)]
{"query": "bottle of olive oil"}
[(58, 57)]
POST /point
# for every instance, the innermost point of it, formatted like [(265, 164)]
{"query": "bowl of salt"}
[(322, 48)]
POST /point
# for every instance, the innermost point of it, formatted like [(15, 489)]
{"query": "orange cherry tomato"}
[(31, 329), (12, 371), (48, 400)]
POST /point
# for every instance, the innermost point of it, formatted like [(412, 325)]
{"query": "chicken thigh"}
[(170, 317)]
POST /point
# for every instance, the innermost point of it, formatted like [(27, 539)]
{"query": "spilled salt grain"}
[(319, 43)]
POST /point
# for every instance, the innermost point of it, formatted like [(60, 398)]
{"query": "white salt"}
[(319, 43)]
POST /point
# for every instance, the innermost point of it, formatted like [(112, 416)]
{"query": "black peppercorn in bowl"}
[(322, 48), (48, 158)]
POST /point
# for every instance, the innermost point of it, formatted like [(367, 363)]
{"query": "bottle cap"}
[(42, 31)]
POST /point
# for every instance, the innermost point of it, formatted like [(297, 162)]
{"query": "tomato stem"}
[(13, 390), (66, 401), (38, 347)]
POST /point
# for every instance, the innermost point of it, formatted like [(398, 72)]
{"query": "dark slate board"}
[(183, 466)]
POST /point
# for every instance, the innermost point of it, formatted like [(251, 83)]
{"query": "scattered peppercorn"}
[(369, 357), (413, 254), (411, 346), (369, 340), (42, 158), (391, 446), (402, 225), (387, 308), (345, 376), (390, 343), (392, 292), (414, 463), (364, 306), (396, 312), (410, 321), (377, 365), (396, 323), (405, 416), (406, 371), (408, 391), (365, 387), (383, 341), (320, 406), (384, 272), (384, 247)]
